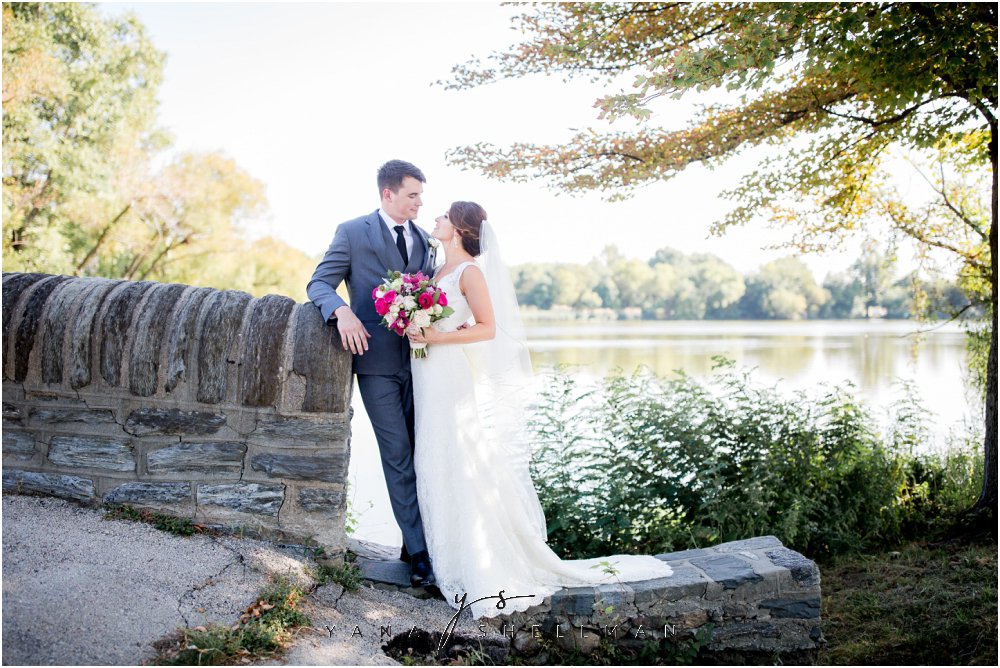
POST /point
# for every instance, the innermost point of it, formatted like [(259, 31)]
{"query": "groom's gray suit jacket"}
[(362, 252)]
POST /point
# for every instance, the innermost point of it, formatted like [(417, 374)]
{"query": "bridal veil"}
[(502, 371)]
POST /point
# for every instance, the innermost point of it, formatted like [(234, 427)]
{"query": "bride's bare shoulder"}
[(472, 277)]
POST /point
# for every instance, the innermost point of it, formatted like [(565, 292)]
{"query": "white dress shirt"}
[(407, 231)]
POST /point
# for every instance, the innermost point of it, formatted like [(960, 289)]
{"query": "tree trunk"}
[(987, 502)]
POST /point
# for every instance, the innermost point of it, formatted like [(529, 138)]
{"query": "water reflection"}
[(872, 355)]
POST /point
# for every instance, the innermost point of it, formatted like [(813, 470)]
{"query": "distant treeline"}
[(675, 286)]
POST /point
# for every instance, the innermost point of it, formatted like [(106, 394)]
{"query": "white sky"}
[(310, 98)]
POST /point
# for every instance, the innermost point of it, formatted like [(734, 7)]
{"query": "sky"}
[(310, 98)]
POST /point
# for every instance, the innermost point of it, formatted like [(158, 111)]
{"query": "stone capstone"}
[(758, 543), (685, 581), (730, 571), (320, 359), (218, 334), (244, 497), (201, 458), (115, 326), (803, 570), (173, 421), (261, 362), (92, 451), (683, 554), (181, 337), (54, 329), (150, 492), (149, 330), (82, 336), (24, 342), (326, 468)]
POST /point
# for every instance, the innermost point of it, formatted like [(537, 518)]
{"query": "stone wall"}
[(195, 402)]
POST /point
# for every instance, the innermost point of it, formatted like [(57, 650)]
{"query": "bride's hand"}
[(426, 335)]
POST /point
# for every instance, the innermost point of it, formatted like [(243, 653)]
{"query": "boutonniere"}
[(434, 243)]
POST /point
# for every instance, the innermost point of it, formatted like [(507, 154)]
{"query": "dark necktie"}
[(401, 244)]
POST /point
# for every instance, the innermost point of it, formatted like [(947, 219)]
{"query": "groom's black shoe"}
[(404, 556), (421, 573)]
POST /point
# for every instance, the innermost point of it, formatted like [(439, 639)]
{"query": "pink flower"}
[(375, 293), (390, 296), (381, 306), (425, 300), (442, 298)]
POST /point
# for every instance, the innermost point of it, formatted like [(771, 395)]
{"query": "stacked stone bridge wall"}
[(207, 404)]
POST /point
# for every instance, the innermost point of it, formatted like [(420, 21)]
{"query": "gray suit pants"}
[(389, 403)]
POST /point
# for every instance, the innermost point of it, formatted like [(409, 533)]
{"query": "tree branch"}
[(100, 239), (894, 119)]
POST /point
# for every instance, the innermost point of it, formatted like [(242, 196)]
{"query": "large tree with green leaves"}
[(835, 85), (79, 139), (78, 98)]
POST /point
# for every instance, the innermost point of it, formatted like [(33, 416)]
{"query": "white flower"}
[(409, 303), (435, 244), (438, 309), (396, 284), (422, 319), (394, 310)]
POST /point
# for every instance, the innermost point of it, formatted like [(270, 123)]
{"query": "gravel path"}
[(79, 590)]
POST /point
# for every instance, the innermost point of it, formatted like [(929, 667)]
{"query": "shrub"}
[(640, 464)]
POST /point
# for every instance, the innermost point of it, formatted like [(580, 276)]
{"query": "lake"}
[(874, 355)]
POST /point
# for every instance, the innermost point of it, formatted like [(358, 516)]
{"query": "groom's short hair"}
[(392, 173)]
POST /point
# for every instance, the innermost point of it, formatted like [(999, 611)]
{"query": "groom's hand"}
[(353, 334)]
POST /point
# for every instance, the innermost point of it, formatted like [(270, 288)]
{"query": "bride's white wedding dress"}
[(483, 524)]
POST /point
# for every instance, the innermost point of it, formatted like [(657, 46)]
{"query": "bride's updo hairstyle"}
[(467, 219)]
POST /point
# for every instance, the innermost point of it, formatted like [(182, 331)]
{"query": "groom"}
[(362, 252)]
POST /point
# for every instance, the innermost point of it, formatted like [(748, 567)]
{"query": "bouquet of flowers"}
[(410, 302)]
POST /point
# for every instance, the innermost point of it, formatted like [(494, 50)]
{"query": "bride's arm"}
[(473, 285)]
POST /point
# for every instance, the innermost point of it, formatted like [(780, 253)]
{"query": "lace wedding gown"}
[(482, 537)]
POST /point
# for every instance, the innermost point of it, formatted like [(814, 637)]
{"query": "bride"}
[(483, 522)]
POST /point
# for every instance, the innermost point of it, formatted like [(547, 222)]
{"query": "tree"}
[(705, 285), (846, 81), (77, 92), (783, 290), (80, 136)]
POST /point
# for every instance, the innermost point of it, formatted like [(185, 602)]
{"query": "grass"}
[(921, 605), (346, 575), (179, 526), (264, 630)]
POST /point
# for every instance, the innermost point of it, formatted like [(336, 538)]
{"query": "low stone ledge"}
[(753, 598)]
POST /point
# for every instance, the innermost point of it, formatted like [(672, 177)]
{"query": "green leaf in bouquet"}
[(446, 311)]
